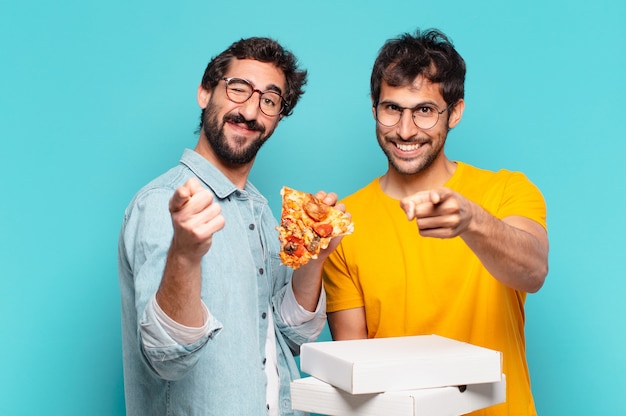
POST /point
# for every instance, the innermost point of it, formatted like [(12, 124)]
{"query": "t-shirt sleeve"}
[(341, 289), (522, 198)]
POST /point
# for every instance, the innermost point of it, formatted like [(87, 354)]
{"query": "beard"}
[(235, 153), (409, 166)]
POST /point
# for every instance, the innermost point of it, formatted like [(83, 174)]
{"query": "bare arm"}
[(307, 280), (514, 249), (195, 217), (348, 324)]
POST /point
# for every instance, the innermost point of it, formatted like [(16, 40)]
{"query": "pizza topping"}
[(306, 227), (314, 244), (322, 229), (294, 249), (315, 209)]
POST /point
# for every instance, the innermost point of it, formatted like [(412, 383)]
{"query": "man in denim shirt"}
[(211, 319)]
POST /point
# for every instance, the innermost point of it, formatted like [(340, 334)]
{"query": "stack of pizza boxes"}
[(406, 376)]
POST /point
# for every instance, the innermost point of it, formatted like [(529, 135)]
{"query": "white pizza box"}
[(313, 395), (402, 363)]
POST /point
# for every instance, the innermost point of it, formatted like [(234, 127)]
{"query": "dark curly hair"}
[(429, 53), (263, 50)]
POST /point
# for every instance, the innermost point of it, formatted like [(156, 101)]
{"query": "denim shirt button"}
[(261, 271), (263, 315), (251, 226), (264, 361)]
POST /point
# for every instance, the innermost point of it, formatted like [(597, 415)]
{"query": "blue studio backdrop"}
[(97, 98)]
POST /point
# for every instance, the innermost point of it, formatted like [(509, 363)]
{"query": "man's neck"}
[(237, 174)]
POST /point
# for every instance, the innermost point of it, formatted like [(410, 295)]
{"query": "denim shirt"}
[(242, 279)]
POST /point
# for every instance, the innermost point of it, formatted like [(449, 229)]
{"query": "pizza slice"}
[(306, 227)]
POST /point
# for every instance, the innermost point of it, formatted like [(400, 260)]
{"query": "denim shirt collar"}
[(221, 186)]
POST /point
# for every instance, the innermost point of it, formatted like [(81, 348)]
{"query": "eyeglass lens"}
[(425, 117), (239, 91)]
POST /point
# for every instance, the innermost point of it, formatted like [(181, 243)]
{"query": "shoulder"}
[(165, 183), (155, 195), (474, 177), (503, 192), (465, 171)]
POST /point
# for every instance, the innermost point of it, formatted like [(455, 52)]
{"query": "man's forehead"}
[(419, 85), (421, 81), (263, 75)]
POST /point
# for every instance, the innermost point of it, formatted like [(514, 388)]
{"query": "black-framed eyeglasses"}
[(425, 116), (239, 91)]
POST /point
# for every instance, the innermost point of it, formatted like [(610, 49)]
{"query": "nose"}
[(406, 127), (250, 108)]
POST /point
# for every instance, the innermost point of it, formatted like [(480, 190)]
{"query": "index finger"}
[(409, 204), (183, 194)]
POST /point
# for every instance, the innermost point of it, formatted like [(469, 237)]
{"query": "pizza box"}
[(402, 363), (313, 395)]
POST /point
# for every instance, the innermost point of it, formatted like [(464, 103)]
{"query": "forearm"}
[(348, 324), (514, 250), (307, 284), (297, 324), (195, 218), (179, 294)]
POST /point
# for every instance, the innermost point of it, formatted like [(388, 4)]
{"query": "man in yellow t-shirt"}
[(439, 246)]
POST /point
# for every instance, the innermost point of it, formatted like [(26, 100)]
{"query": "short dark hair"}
[(263, 50), (430, 54)]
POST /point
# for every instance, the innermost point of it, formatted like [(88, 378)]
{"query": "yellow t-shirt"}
[(413, 285)]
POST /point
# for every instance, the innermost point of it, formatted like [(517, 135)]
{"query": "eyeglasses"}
[(424, 116), (240, 90)]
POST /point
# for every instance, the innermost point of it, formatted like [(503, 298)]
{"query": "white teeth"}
[(408, 147)]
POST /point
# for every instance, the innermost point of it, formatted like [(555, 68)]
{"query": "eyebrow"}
[(274, 88), (269, 87), (416, 106)]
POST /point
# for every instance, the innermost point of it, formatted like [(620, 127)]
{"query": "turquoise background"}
[(97, 98)]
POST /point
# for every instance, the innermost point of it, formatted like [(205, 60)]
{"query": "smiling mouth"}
[(239, 121), (408, 147), (243, 126)]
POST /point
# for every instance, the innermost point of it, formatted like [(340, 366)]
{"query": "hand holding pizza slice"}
[(306, 227)]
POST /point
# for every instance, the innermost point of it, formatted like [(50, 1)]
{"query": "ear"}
[(456, 114), (373, 107), (203, 96)]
